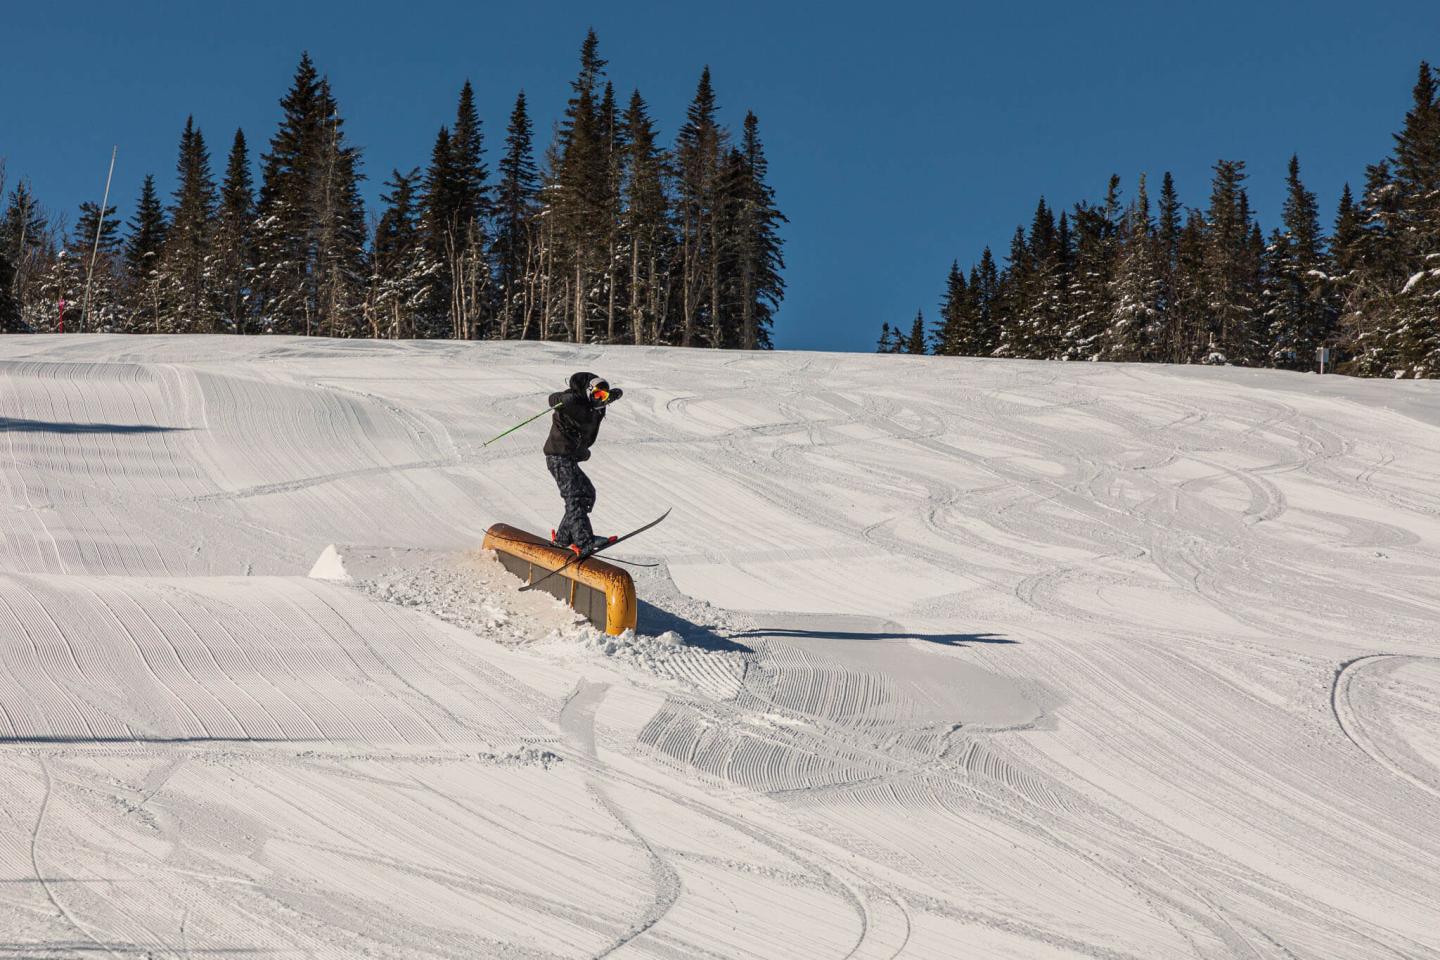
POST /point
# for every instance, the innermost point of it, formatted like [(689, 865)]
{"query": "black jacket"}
[(576, 424)]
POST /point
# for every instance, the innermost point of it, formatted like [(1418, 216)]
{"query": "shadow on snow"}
[(21, 425), (944, 639), (656, 621)]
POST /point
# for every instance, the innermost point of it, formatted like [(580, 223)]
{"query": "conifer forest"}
[(1150, 279), (609, 235)]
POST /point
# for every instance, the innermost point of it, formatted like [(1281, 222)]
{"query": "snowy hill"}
[(943, 658)]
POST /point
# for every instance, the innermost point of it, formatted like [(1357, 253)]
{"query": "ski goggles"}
[(600, 394)]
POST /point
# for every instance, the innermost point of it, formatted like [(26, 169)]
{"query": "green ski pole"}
[(521, 424)]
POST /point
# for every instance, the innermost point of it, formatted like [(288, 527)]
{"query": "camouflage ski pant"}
[(579, 494)]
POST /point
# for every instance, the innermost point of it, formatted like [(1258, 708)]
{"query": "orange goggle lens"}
[(602, 395)]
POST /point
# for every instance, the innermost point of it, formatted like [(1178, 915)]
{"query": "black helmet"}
[(588, 384)]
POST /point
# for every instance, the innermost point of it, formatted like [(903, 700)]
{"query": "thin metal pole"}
[(95, 250), (521, 424)]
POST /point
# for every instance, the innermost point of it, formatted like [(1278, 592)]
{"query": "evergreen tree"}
[(234, 240), (753, 241), (401, 271), (9, 305), (23, 231), (1413, 316), (513, 250), (86, 276), (955, 317), (1231, 269), (187, 300), (1298, 308), (467, 146), (1053, 258), (147, 233), (646, 224), (580, 200), (1011, 307), (1190, 327), (1369, 311), (339, 262), (1091, 288), (310, 229), (456, 206), (1137, 287), (27, 244), (1168, 229), (916, 342), (886, 343), (985, 286), (285, 221), (1346, 244), (142, 259), (612, 163), (698, 150)]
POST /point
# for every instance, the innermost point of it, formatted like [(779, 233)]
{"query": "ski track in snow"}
[(941, 658)]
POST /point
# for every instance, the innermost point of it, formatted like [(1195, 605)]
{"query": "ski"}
[(590, 553), (631, 563)]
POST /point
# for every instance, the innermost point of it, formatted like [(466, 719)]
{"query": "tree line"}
[(1132, 281), (611, 236)]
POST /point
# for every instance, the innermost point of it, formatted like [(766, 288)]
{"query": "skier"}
[(573, 430)]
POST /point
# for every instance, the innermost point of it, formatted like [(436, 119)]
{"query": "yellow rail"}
[(601, 592)]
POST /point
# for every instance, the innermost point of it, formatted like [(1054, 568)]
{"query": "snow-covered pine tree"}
[(612, 161), (1010, 308), (1414, 314), (646, 225), (1231, 269), (285, 214), (577, 199), (187, 301), (698, 149), (234, 241), (143, 248), (1168, 228), (1345, 260), (310, 224), (65, 278), (9, 306), (1298, 308), (339, 258), (753, 246), (401, 271), (1091, 294), (985, 288), (514, 248), (440, 234), (1052, 263), (28, 240), (1380, 274), (456, 206), (1137, 288), (1190, 325)]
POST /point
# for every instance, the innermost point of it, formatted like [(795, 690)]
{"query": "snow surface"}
[(943, 659)]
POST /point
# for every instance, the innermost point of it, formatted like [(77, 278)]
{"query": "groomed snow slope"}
[(943, 659)]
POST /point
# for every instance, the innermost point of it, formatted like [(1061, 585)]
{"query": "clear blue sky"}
[(901, 135)]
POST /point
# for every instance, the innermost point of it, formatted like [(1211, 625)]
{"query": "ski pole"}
[(521, 424)]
